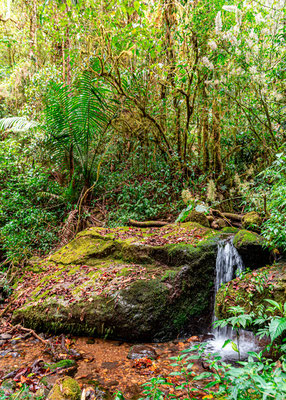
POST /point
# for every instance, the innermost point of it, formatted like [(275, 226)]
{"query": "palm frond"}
[(17, 124), (78, 118)]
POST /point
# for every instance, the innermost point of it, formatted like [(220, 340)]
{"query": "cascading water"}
[(228, 265)]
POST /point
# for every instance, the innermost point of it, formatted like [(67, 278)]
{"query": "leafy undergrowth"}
[(251, 288)]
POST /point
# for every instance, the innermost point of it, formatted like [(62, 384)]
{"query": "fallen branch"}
[(5, 310), (31, 331), (221, 215), (147, 224), (235, 217)]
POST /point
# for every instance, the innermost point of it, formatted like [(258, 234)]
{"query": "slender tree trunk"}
[(217, 163), (33, 32), (169, 18), (205, 133), (63, 61), (205, 141)]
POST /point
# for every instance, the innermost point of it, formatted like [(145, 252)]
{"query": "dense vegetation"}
[(121, 105), (112, 110)]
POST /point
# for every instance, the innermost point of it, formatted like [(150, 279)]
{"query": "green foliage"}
[(22, 394), (256, 378), (142, 190), (274, 227), (77, 126), (240, 320), (27, 222)]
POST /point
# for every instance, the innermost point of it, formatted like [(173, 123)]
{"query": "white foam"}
[(247, 342)]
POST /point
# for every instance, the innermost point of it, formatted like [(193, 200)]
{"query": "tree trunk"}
[(217, 163)]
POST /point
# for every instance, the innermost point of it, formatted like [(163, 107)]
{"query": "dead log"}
[(232, 216), (221, 215), (147, 224)]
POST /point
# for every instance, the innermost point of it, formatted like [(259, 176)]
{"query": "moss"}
[(252, 289), (198, 217), (65, 389), (230, 229), (81, 251), (246, 238), (61, 364), (124, 272), (252, 220), (169, 275)]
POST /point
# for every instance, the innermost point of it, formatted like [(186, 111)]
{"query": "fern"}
[(277, 327), (78, 121), (17, 124)]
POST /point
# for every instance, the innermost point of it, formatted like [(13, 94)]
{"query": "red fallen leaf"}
[(82, 377)]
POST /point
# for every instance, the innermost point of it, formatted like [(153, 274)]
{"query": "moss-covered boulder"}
[(65, 389), (198, 217), (251, 290), (252, 221), (129, 283), (124, 283), (252, 248)]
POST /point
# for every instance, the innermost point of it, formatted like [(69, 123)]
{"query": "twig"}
[(5, 309), (32, 332)]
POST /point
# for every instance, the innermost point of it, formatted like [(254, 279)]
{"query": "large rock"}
[(125, 283), (142, 351), (130, 283), (252, 221), (198, 217), (252, 248), (251, 291)]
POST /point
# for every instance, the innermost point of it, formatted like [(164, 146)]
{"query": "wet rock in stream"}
[(142, 351)]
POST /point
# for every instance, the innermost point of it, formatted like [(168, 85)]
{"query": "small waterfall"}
[(228, 265)]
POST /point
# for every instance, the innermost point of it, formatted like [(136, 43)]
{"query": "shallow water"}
[(247, 343)]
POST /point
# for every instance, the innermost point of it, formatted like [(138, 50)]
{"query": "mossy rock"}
[(116, 284), (221, 223), (65, 389), (251, 290), (252, 221), (252, 248), (198, 217)]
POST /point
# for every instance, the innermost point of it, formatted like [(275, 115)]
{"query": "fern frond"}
[(47, 195), (17, 124)]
